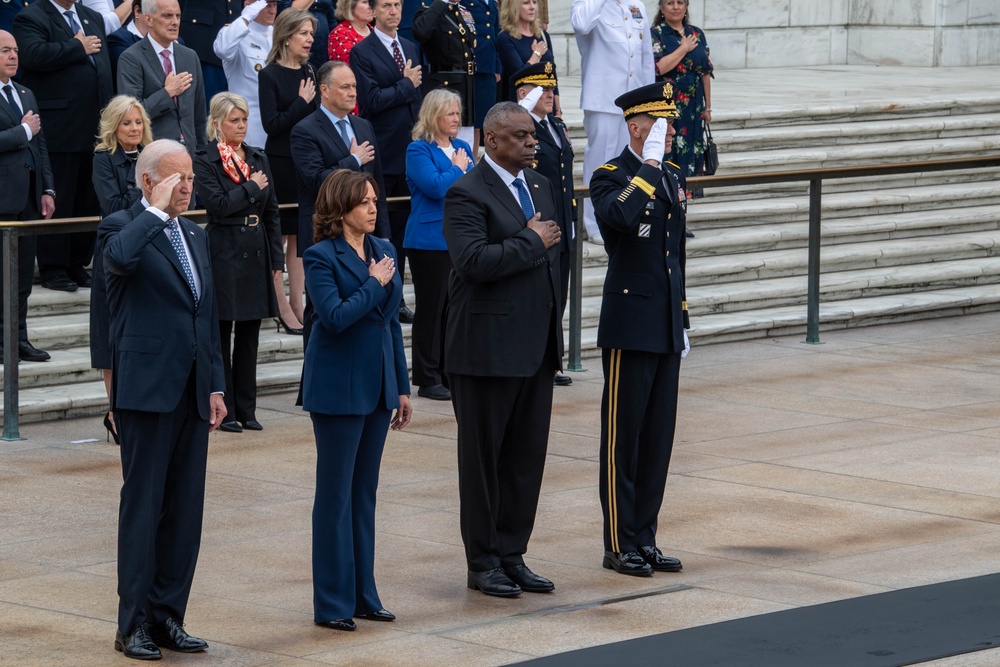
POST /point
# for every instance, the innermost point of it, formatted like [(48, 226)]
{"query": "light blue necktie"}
[(524, 198), (342, 126), (174, 233)]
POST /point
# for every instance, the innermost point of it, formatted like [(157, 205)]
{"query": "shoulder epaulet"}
[(673, 165), (608, 166)]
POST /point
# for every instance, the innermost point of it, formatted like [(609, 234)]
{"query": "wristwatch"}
[(51, 193)]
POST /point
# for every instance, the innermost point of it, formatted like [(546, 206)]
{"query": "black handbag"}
[(711, 158)]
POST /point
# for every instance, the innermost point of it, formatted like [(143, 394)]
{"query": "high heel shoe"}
[(112, 433), (288, 330)]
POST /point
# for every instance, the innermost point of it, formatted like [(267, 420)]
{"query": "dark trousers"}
[(503, 434), (239, 361), (395, 186), (162, 500), (430, 270), (25, 267), (60, 254), (348, 456), (565, 266), (638, 416)]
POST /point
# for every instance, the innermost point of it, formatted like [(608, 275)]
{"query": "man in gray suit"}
[(166, 76), (27, 192)]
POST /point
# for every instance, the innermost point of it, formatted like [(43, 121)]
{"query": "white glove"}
[(687, 344), (531, 99), (250, 12), (656, 141)]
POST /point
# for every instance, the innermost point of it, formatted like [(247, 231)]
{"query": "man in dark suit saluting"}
[(166, 394), (503, 342), (332, 139), (27, 192), (166, 76)]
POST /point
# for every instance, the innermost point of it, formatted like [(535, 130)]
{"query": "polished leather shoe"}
[(629, 562), (60, 283), (338, 624), (28, 352), (658, 561), (380, 615), (563, 380), (494, 582), (170, 634), (528, 580), (231, 427), (137, 645), (252, 425), (405, 314), (436, 392), (81, 278)]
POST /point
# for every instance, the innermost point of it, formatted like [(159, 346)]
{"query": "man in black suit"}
[(640, 205), (387, 68), (166, 76), (503, 342), (65, 62), (167, 394), (201, 21), (27, 192), (331, 139), (535, 85)]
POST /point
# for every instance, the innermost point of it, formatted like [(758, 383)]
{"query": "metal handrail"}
[(11, 231)]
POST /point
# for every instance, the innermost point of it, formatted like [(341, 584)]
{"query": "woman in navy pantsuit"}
[(354, 376)]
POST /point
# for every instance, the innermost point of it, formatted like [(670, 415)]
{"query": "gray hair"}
[(151, 155), (150, 7), (500, 115)]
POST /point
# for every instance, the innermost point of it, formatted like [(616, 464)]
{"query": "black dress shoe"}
[(231, 427), (688, 234), (60, 283), (563, 380), (405, 314), (493, 582), (658, 561), (137, 645), (170, 634), (81, 277), (338, 624), (528, 580), (380, 615), (436, 392), (28, 352), (629, 562), (252, 425)]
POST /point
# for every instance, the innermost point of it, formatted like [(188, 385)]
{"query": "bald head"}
[(8, 56)]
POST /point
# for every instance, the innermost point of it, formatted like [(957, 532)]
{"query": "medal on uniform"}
[(635, 11)]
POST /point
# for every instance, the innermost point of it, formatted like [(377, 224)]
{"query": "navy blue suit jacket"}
[(386, 99), (319, 151), (355, 352), (157, 332)]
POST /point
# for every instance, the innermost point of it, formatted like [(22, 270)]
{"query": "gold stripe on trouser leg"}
[(614, 371)]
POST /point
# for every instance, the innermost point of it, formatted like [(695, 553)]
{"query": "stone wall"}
[(781, 33)]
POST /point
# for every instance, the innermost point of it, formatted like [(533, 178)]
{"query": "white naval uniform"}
[(106, 8), (243, 50), (617, 56)]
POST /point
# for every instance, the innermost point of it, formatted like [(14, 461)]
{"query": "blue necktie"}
[(342, 126), (174, 233), (524, 198), (74, 26)]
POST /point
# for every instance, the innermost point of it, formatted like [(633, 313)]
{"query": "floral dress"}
[(688, 148)]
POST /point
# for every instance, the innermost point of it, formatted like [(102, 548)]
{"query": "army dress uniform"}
[(243, 49), (447, 34), (641, 211), (8, 10)]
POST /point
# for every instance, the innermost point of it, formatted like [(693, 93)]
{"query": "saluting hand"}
[(547, 230), (163, 191)]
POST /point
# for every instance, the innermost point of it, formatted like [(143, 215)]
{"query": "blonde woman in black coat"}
[(234, 183)]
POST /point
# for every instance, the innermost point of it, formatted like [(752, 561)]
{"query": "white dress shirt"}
[(508, 180)]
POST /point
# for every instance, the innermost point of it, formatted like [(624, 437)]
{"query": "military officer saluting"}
[(447, 33), (535, 87), (640, 206), (243, 46)]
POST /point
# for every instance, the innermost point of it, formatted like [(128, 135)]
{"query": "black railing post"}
[(576, 293), (11, 427), (812, 298)]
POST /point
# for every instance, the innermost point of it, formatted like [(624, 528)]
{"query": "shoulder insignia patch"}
[(609, 167)]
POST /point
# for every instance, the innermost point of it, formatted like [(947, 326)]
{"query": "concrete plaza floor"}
[(801, 474)]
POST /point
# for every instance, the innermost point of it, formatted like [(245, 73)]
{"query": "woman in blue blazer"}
[(354, 376), (434, 161)]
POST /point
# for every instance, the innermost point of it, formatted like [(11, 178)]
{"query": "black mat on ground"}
[(902, 627)]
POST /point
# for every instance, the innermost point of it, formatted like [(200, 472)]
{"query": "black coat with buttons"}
[(450, 48), (641, 210), (243, 255), (555, 162)]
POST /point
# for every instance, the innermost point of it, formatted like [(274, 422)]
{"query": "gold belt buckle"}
[(256, 221), (471, 67)]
